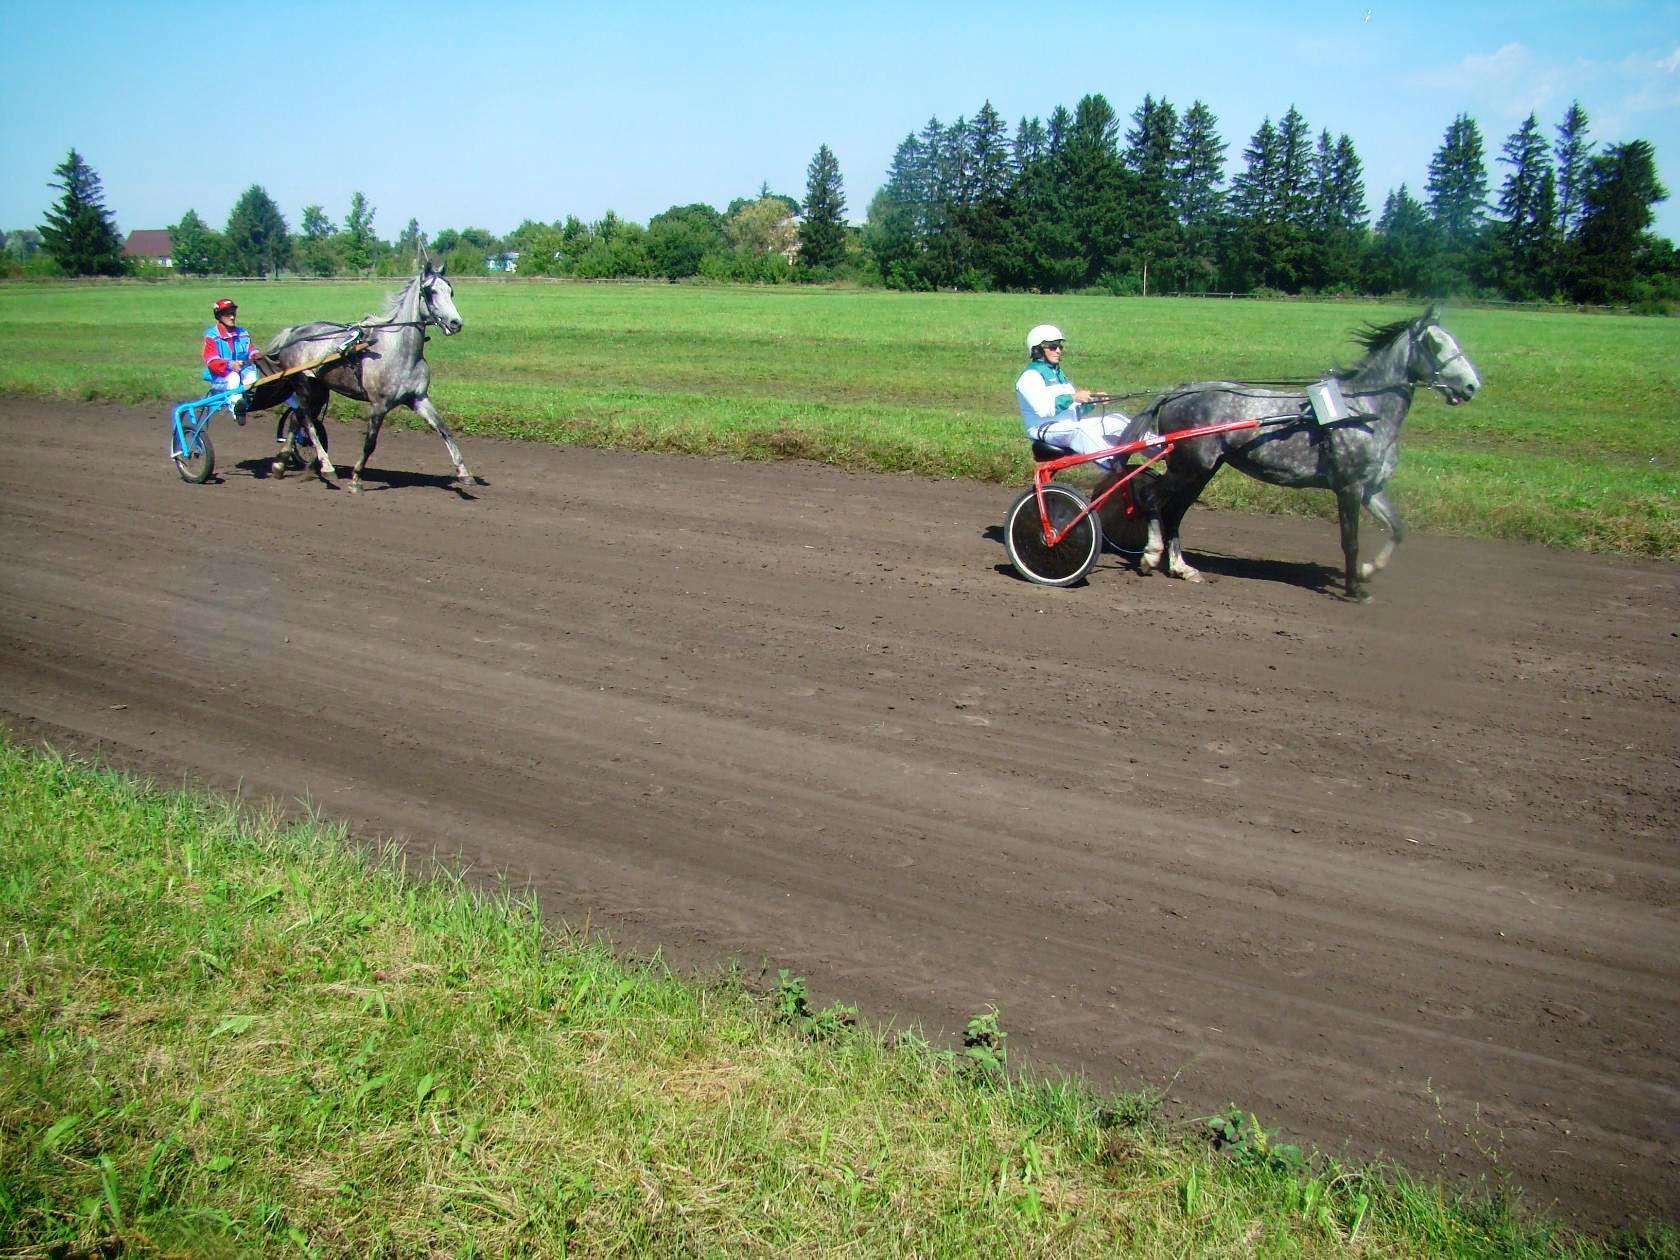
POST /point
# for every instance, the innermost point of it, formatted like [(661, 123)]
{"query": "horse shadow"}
[(374, 480), (1307, 575)]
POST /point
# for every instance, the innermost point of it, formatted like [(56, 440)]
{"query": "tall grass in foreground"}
[(1572, 442), (222, 1036)]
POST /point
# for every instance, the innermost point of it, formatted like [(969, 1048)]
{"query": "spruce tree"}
[(1295, 171), (1573, 154), (1197, 168), (893, 228), (1403, 251), (1194, 175), (1093, 192), (822, 233), (993, 171), (1525, 230), (79, 231), (1154, 226), (1458, 181), (1254, 243), (1338, 212), (1030, 143)]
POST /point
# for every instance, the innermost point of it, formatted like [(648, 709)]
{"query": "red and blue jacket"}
[(221, 347)]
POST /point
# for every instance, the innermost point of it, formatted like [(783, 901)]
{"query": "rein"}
[(338, 330)]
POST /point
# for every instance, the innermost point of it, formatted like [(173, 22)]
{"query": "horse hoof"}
[(277, 469), (355, 487)]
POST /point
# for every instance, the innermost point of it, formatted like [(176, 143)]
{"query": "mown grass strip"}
[(227, 1034), (1572, 441)]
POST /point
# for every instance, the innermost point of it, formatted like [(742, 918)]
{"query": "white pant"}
[(1088, 434), (240, 380)]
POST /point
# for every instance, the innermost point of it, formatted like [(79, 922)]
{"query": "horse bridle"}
[(1437, 364), (430, 320)]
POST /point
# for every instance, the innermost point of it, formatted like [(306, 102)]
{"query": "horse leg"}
[(318, 435), (427, 412), (1151, 493), (1182, 499), (1347, 510), (376, 418), (282, 432), (1154, 548), (1384, 511)]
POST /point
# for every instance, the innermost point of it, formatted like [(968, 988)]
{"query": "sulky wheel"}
[(1071, 558), (199, 461)]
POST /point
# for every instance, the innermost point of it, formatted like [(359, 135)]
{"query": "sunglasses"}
[(1052, 345)]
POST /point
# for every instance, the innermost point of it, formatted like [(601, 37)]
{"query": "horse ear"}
[(1433, 314), (441, 268)]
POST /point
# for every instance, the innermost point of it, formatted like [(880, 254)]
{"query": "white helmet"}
[(1042, 333)]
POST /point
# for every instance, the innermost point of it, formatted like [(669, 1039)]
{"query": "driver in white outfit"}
[(1053, 408)]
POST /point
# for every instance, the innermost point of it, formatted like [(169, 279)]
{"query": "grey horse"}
[(390, 372), (1352, 457)]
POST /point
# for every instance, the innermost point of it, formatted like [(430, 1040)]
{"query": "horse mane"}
[(1373, 337), (389, 312), (1378, 336), (394, 302)]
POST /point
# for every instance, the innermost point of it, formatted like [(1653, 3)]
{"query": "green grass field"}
[(1573, 442), (227, 1036)]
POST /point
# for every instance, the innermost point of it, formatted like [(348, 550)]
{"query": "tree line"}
[(1077, 201), (1074, 202)]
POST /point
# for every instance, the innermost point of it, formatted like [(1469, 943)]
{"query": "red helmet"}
[(223, 305)]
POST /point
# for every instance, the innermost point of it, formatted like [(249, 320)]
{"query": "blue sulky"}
[(190, 446), (189, 441)]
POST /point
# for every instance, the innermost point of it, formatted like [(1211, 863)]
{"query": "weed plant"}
[(226, 1035), (1572, 441)]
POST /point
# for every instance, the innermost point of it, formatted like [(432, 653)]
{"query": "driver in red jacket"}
[(227, 353)]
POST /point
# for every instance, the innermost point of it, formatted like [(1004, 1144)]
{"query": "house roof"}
[(148, 243)]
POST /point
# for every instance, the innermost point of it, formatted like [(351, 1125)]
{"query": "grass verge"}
[(227, 1035)]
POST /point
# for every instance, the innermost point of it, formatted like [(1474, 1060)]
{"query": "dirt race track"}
[(1399, 878)]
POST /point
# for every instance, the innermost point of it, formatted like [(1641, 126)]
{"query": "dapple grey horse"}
[(1352, 457), (390, 372)]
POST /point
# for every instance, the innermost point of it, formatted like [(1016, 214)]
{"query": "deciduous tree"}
[(360, 244), (257, 239), (683, 236), (761, 228), (1617, 209), (196, 249)]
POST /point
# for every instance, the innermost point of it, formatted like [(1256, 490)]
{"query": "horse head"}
[(437, 300), (1444, 366)]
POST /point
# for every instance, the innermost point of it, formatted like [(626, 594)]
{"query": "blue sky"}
[(460, 115)]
